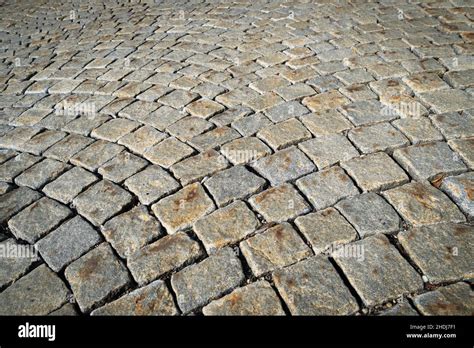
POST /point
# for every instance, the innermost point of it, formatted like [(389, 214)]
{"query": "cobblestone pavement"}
[(249, 157)]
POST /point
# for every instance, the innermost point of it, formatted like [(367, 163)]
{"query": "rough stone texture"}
[(426, 161), (96, 276), (286, 108), (180, 210), (443, 252), (66, 187), (164, 255), (381, 274), (225, 226), (455, 299), (15, 200), (254, 299), (327, 187), (422, 204), (153, 299), (284, 165), (38, 219), (197, 284), (131, 230), (277, 247), (460, 189), (325, 229), (375, 172), (226, 186), (38, 293), (279, 203), (15, 261), (400, 309), (151, 184), (328, 150), (101, 201), (369, 214), (67, 243), (313, 287)]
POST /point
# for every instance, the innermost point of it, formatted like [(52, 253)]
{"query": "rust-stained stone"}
[(325, 228), (455, 299), (96, 276), (153, 299), (313, 287), (324, 101), (377, 271), (214, 138), (180, 210), (226, 226), (204, 108), (168, 152), (284, 134), (461, 190), (443, 252), (280, 203), (277, 247), (198, 284), (101, 201), (96, 154), (422, 204), (131, 230), (38, 293), (38, 219), (245, 150), (254, 299), (164, 255)]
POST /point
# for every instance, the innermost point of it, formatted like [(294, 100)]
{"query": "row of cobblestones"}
[(237, 157)]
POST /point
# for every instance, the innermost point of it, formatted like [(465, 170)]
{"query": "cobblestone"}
[(162, 146)]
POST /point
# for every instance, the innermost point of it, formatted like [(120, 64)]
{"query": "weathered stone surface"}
[(285, 111), (422, 204), (313, 287), (66, 310), (96, 154), (168, 152), (16, 165), (453, 125), (114, 129), (400, 309), (460, 189), (447, 100), (67, 243), (188, 127), (380, 273), (226, 186), (426, 161), (465, 149), (197, 167), (197, 284), (254, 299), (204, 108), (66, 187), (164, 255), (151, 184), (141, 139), (101, 201), (442, 251), (38, 219), (16, 260), (279, 203), (324, 101), (38, 293), (325, 122), (214, 138), (325, 229), (455, 299), (245, 150), (367, 112), (369, 214), (153, 299), (96, 276), (15, 200), (328, 150), (180, 210), (277, 247), (251, 124), (284, 134), (378, 137), (41, 173), (131, 230), (327, 187), (284, 165), (418, 130), (68, 147), (122, 166), (375, 172)]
